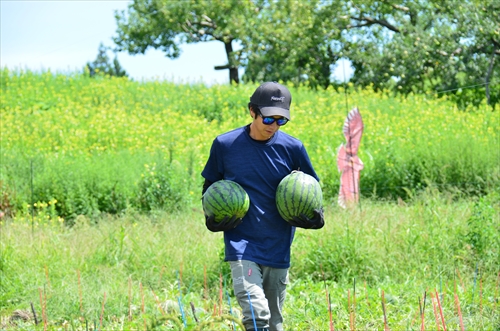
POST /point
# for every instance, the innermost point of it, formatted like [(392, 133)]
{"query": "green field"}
[(103, 225)]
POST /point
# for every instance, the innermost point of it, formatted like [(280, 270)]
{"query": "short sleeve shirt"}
[(263, 237)]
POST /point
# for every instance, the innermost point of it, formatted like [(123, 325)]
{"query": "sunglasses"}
[(268, 120)]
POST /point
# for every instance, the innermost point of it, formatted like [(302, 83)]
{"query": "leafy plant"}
[(483, 231)]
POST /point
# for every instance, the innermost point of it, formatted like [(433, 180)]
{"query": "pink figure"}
[(348, 161)]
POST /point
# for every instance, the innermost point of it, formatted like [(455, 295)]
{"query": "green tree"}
[(103, 66), (446, 46), (166, 25), (291, 42)]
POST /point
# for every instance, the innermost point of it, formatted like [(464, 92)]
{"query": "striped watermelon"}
[(225, 198), (298, 193)]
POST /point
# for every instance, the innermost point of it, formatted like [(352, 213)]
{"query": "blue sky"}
[(64, 35)]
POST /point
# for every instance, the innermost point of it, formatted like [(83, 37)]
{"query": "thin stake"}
[(102, 311), (43, 309), (179, 299), (422, 313), (349, 308), (230, 308), (328, 302), (354, 305), (345, 85), (435, 312), (194, 312), (80, 290), (457, 303), (157, 301), (34, 313), (142, 297), (251, 309), (386, 326), (330, 312), (440, 310)]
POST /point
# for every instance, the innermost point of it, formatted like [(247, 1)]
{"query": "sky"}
[(64, 35)]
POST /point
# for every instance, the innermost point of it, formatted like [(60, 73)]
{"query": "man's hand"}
[(227, 223), (317, 222)]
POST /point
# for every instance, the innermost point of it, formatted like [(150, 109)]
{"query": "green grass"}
[(406, 250)]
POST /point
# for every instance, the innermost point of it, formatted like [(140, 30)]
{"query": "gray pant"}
[(267, 289)]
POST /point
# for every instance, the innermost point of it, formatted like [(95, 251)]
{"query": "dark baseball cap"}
[(273, 99)]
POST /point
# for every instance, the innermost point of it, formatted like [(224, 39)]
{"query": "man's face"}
[(261, 131)]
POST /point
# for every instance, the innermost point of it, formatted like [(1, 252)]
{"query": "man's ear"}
[(252, 113)]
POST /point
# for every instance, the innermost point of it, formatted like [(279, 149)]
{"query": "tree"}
[(292, 43), (443, 46), (165, 25), (102, 65)]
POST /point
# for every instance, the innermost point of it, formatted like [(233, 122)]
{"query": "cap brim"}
[(275, 111)]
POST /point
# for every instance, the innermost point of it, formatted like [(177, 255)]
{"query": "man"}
[(258, 156)]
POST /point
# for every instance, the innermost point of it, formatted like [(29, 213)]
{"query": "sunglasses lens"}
[(267, 120), (281, 121)]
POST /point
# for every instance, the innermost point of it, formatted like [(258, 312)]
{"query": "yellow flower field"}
[(408, 143)]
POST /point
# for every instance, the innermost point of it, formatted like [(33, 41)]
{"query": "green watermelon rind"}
[(225, 198), (298, 193)]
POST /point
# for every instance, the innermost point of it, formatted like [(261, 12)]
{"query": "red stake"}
[(435, 312), (386, 327), (142, 298), (440, 310), (457, 303), (158, 303), (44, 317), (102, 311)]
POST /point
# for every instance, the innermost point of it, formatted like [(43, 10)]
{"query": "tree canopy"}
[(165, 25), (447, 47), (418, 46)]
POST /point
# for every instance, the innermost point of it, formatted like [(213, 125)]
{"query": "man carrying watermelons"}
[(257, 246)]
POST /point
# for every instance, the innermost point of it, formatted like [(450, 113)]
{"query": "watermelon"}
[(298, 193), (225, 198)]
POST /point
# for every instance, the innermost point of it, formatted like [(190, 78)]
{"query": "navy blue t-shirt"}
[(263, 237)]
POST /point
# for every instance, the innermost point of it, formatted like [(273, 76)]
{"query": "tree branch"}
[(371, 21), (399, 7)]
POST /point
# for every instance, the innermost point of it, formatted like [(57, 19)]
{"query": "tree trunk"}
[(233, 70)]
